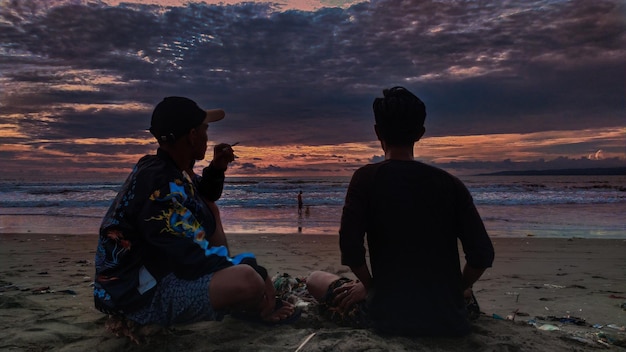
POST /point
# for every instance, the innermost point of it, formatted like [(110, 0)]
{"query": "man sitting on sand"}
[(413, 215), (162, 256)]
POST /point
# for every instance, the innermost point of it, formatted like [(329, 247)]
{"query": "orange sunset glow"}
[(513, 86), (326, 160)]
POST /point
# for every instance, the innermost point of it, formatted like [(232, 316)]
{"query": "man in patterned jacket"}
[(162, 256)]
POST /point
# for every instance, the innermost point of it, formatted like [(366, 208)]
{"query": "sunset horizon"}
[(509, 86)]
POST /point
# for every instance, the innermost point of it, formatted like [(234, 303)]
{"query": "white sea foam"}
[(543, 206)]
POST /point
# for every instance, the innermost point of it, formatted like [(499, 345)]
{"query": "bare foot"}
[(281, 311)]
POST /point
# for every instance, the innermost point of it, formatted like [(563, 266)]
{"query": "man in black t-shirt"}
[(413, 215)]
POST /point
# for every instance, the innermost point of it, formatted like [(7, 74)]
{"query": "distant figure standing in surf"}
[(300, 203)]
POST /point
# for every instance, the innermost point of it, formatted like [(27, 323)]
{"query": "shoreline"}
[(46, 298), (494, 235)]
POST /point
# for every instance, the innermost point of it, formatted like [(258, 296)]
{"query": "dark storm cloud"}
[(309, 77), (68, 123)]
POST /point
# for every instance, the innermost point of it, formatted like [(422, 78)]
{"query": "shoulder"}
[(438, 173), (153, 172), (365, 173), (451, 184), (366, 169)]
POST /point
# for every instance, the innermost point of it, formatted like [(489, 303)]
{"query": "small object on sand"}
[(616, 327), (582, 340), (41, 290), (307, 339), (548, 327), (568, 319), (8, 287), (69, 292), (605, 344), (512, 316)]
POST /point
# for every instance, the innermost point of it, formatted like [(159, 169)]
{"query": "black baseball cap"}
[(173, 117)]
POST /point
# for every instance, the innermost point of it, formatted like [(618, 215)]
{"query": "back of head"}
[(399, 116)]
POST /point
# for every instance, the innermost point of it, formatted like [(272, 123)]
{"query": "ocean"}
[(511, 206)]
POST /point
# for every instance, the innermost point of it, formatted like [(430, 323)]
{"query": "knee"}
[(317, 283), (315, 276), (250, 282), (321, 276), (236, 284)]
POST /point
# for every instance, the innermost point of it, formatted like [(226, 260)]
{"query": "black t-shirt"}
[(413, 215)]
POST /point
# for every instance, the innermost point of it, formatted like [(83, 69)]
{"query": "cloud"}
[(599, 155), (75, 69)]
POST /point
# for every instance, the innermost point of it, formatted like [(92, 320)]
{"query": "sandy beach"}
[(541, 295)]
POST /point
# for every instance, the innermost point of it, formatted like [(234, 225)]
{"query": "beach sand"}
[(46, 300)]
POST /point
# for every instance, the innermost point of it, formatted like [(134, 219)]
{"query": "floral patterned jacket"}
[(158, 224)]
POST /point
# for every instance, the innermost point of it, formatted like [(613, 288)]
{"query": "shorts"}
[(356, 316), (178, 301)]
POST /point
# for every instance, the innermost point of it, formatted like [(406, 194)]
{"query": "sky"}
[(508, 85)]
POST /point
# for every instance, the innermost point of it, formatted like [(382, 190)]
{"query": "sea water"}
[(511, 206)]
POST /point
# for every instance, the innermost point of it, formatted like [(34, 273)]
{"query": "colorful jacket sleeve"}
[(174, 220)]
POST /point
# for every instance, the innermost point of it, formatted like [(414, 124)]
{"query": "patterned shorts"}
[(356, 316), (178, 301)]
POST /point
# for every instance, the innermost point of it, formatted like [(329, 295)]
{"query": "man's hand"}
[(467, 294), (349, 293), (223, 155)]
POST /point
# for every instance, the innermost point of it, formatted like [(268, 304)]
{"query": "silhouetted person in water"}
[(300, 203)]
